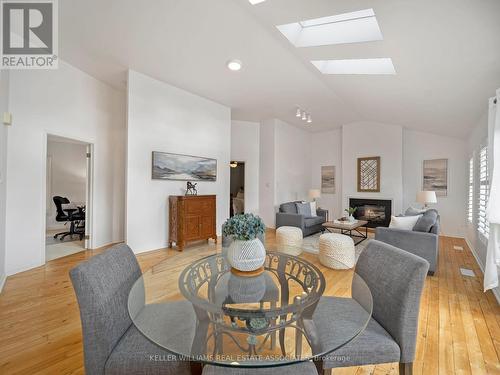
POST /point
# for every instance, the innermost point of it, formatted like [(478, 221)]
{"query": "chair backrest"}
[(59, 201), (396, 279), (102, 285)]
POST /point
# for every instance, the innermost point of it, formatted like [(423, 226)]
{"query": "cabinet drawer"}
[(200, 207)]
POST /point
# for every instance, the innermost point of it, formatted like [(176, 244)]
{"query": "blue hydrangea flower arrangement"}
[(244, 227)]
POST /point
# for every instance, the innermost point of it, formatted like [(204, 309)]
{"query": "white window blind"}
[(484, 189), (470, 202)]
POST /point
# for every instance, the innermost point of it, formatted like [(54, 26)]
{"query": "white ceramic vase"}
[(351, 218), (246, 256)]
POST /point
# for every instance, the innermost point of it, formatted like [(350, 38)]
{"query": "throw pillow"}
[(411, 211), (304, 209), (403, 222), (426, 221), (313, 209)]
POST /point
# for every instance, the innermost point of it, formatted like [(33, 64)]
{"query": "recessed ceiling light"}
[(304, 116), (234, 65), (309, 119), (253, 2), (298, 113), (355, 66), (353, 27)]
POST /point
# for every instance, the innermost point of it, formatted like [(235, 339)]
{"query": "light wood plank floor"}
[(459, 330)]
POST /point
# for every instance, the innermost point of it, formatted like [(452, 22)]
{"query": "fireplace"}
[(376, 211)]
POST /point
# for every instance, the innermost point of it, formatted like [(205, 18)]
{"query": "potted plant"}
[(350, 211), (246, 254)]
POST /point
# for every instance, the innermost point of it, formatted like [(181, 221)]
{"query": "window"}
[(354, 27), (356, 66), (484, 190), (470, 203)]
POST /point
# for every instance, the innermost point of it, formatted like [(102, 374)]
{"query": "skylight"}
[(356, 66), (353, 27)]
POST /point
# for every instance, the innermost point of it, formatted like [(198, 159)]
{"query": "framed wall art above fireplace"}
[(369, 174)]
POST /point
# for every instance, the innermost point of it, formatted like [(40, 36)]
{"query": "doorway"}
[(237, 189), (68, 194)]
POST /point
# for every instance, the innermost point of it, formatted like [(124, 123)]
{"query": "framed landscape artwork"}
[(435, 176), (369, 174), (166, 166), (328, 179)]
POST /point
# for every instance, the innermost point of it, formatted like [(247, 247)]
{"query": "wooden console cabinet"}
[(191, 218)]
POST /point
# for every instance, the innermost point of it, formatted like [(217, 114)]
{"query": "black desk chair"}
[(73, 215)]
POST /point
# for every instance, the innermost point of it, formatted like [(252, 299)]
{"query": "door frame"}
[(89, 204), (244, 183)]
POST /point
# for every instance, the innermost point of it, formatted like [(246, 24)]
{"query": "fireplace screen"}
[(372, 213), (376, 211)]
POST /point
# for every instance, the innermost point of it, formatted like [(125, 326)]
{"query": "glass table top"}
[(201, 311)]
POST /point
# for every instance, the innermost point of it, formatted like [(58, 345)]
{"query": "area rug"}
[(311, 245)]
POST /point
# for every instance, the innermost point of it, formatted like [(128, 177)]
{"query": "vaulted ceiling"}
[(445, 54)]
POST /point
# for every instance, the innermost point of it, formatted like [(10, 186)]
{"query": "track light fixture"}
[(303, 115)]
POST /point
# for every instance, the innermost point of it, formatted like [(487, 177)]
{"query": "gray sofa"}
[(424, 244), (288, 216)]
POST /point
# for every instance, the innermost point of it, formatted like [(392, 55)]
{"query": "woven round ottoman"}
[(336, 251), (289, 239)]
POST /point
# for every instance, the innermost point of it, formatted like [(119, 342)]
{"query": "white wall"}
[(267, 183), (285, 162), (68, 175), (292, 163), (69, 103), (326, 150), (245, 141), (417, 147), (4, 107), (363, 139), (164, 118)]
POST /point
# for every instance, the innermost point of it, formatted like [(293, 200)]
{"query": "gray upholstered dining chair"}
[(396, 279), (111, 343), (303, 368)]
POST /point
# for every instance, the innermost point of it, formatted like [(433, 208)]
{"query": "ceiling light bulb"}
[(254, 2), (309, 119), (234, 65), (304, 116), (299, 113)]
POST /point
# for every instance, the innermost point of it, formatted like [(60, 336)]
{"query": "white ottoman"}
[(336, 251), (289, 239)]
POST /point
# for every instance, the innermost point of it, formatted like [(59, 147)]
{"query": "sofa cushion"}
[(288, 208), (403, 222), (426, 221), (313, 220), (313, 209), (411, 211), (303, 209)]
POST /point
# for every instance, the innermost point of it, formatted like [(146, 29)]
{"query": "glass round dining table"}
[(201, 311)]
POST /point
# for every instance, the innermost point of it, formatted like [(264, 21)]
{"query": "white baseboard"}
[(495, 291), (3, 278)]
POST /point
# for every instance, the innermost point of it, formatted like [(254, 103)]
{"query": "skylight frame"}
[(353, 27)]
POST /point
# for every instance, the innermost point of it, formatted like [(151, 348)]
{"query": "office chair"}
[(68, 214)]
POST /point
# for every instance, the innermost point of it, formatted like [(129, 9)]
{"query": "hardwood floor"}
[(459, 330)]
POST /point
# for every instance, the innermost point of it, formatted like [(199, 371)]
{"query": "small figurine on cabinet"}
[(191, 189)]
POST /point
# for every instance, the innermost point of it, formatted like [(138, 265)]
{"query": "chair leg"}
[(406, 368)]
